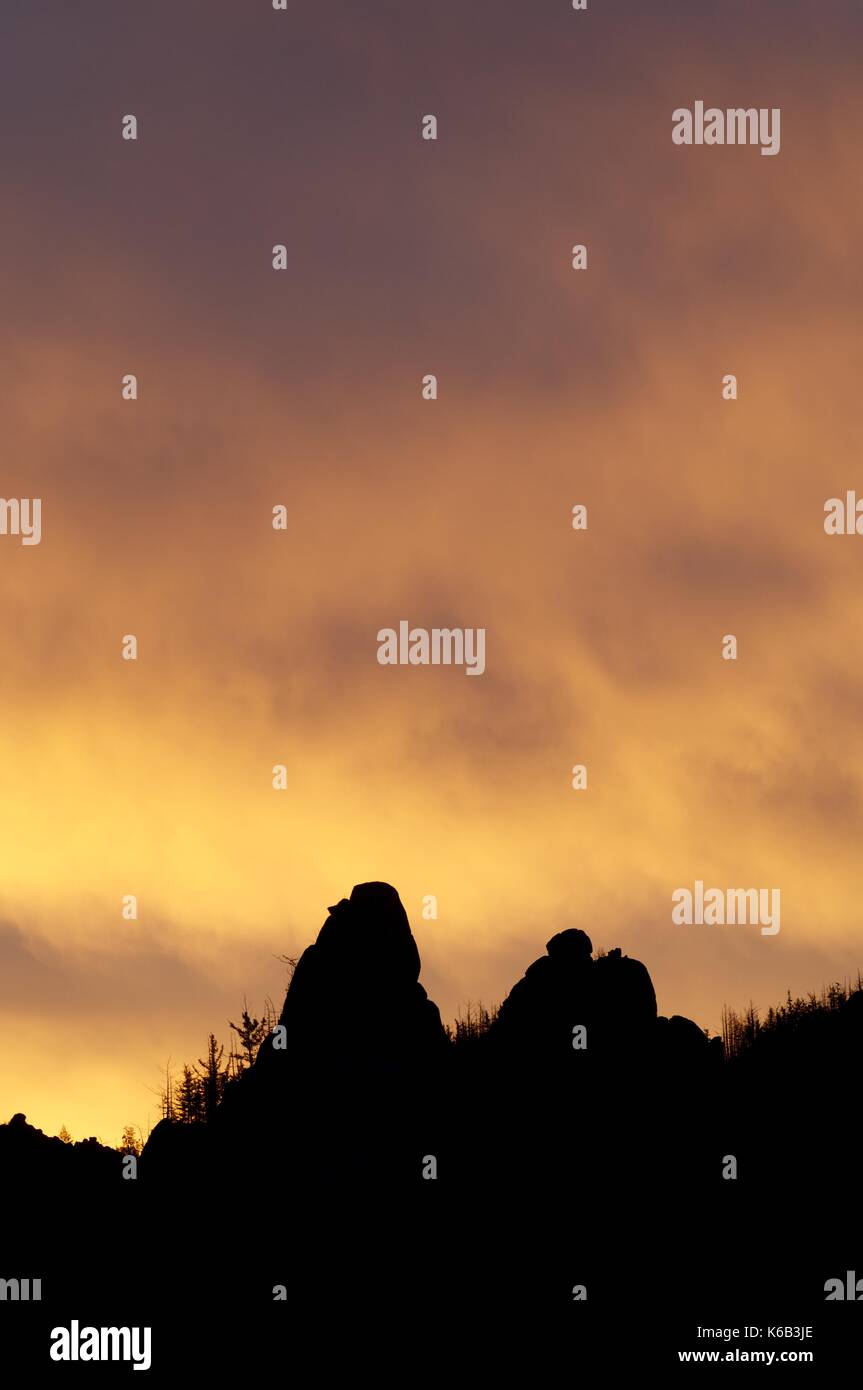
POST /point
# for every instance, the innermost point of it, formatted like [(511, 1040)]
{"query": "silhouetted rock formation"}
[(355, 1004), (555, 994), (177, 1152), (624, 1007), (612, 998), (681, 1044), (355, 1017), (370, 1158), (357, 1055), (28, 1154)]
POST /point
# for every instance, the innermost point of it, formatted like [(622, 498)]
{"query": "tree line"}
[(193, 1095), (745, 1032)]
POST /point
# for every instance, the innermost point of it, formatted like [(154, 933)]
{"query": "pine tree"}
[(129, 1144), (190, 1103), (212, 1076), (251, 1032)]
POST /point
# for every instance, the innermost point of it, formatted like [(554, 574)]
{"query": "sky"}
[(302, 388)]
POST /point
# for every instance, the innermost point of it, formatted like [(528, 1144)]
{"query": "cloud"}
[(556, 387)]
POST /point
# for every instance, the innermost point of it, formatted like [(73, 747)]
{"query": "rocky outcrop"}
[(29, 1155), (355, 1007), (611, 998)]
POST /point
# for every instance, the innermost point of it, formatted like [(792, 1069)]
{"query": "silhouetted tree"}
[(166, 1096), (190, 1101), (213, 1076), (130, 1143), (251, 1033), (743, 1033), (476, 1022)]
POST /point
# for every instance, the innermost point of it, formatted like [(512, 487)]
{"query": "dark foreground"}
[(372, 1201)]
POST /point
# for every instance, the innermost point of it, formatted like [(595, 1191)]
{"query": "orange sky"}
[(259, 647)]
